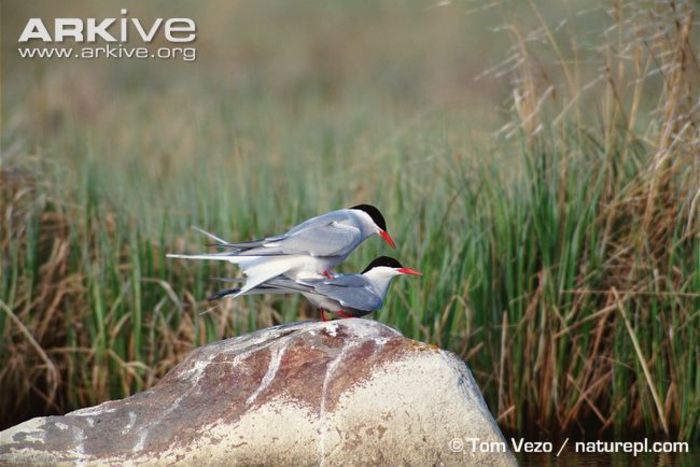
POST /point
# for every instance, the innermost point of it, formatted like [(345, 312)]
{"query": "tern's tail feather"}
[(223, 293), (237, 246), (219, 241), (259, 290), (224, 256)]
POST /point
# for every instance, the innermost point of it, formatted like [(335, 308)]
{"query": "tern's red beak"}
[(387, 238), (410, 272)]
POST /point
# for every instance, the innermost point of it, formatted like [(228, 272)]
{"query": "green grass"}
[(535, 251)]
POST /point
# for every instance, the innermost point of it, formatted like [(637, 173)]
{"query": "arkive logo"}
[(114, 32), (174, 29)]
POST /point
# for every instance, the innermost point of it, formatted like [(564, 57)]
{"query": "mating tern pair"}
[(301, 261)]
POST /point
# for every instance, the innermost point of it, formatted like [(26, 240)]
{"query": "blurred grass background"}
[(538, 161)]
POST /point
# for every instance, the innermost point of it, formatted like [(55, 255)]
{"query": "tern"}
[(347, 295), (309, 250)]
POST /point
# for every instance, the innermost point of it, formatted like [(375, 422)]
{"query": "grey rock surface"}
[(344, 392)]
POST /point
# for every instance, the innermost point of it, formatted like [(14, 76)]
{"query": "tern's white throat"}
[(380, 277)]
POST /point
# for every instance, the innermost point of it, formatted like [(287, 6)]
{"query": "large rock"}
[(351, 391)]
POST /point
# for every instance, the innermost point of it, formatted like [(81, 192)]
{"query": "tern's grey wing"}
[(330, 239), (265, 246), (282, 282), (340, 215), (358, 298), (346, 280)]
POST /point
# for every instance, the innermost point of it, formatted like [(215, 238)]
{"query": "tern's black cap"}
[(383, 261), (373, 213)]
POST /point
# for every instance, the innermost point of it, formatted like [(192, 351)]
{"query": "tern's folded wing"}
[(331, 239), (285, 283), (358, 298), (346, 280)]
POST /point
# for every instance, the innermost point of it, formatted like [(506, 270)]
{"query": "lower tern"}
[(309, 250), (347, 295)]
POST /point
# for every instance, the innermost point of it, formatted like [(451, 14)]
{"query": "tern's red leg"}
[(328, 275), (342, 314), (323, 315)]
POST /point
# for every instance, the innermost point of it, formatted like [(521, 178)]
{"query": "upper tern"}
[(348, 295), (309, 250)]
